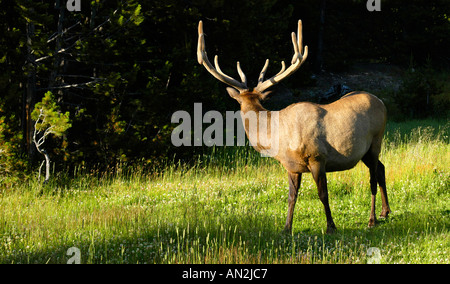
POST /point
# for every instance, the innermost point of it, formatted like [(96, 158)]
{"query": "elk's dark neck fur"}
[(251, 102)]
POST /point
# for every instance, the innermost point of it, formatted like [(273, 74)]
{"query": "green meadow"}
[(230, 207)]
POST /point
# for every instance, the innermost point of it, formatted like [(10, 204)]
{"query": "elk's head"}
[(239, 90)]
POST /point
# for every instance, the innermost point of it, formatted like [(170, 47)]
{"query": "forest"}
[(113, 73)]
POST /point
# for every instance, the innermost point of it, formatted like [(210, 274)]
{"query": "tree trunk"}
[(58, 62), (319, 57), (30, 95), (47, 166)]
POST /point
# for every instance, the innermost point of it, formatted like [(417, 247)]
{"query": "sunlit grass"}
[(231, 207)]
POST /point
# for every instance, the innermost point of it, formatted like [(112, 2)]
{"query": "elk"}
[(312, 137)]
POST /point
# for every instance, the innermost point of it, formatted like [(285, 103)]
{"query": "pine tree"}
[(48, 121)]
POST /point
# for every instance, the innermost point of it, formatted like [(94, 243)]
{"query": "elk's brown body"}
[(338, 134), (311, 137)]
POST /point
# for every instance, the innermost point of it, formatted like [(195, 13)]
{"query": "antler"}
[(202, 58), (297, 61)]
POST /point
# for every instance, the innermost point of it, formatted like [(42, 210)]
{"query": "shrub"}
[(421, 94)]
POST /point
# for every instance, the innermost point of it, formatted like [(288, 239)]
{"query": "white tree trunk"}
[(47, 166)]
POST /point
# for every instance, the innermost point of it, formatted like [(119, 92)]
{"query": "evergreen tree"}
[(48, 121)]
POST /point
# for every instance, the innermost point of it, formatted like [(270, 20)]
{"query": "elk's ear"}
[(234, 94), (265, 95)]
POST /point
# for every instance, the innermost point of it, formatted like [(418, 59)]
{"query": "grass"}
[(231, 207)]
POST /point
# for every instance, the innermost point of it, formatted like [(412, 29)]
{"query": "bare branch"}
[(96, 29), (56, 35), (79, 85), (79, 76)]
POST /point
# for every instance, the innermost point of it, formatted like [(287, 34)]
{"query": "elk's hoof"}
[(331, 230), (384, 214), (286, 231), (372, 223)]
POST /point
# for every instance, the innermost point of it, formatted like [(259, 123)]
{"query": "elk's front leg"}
[(320, 177), (294, 184)]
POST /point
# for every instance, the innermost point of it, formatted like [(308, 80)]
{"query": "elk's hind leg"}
[(381, 177), (371, 161)]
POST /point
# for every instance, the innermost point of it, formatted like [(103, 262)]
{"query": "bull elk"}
[(312, 137)]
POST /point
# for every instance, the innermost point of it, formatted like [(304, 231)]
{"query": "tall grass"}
[(230, 207)]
